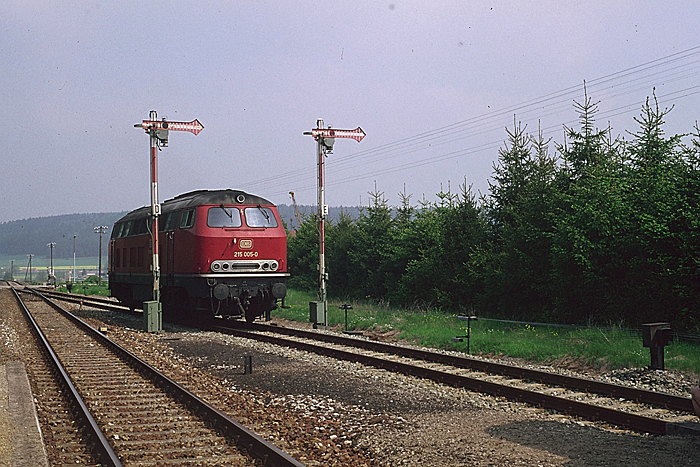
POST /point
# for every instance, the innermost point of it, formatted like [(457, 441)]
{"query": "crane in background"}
[(296, 210)]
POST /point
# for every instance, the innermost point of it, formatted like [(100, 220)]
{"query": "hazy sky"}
[(432, 83)]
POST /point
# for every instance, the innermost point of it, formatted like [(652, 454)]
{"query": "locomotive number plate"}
[(245, 254)]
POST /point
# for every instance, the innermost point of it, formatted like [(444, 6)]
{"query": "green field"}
[(599, 348), (41, 264)]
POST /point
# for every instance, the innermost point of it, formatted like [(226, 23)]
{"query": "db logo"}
[(245, 244)]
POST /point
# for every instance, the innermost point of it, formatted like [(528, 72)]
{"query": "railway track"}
[(636, 409), (129, 414), (64, 434), (623, 406)]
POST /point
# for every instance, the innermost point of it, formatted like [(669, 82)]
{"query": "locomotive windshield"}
[(260, 217), (223, 217)]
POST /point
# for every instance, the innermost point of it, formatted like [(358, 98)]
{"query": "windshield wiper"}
[(229, 214), (265, 213)]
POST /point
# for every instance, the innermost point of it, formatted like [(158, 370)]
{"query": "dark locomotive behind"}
[(221, 253)]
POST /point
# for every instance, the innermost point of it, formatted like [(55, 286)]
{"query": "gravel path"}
[(340, 413)]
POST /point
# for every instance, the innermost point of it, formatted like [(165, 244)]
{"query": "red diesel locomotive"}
[(221, 253)]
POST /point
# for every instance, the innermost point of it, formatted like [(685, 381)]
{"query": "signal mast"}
[(325, 138), (158, 131)]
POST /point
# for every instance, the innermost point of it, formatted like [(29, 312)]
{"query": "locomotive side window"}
[(260, 217), (187, 220), (171, 221), (124, 229), (138, 227), (221, 216)]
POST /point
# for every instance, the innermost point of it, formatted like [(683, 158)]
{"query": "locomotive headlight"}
[(242, 266)]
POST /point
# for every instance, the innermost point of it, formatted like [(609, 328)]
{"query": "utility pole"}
[(29, 269), (73, 276), (12, 269), (52, 277), (325, 138), (100, 230)]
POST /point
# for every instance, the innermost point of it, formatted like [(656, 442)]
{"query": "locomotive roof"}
[(198, 198)]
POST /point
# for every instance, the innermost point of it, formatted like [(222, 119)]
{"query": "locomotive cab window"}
[(171, 221), (126, 226), (260, 217), (161, 223), (222, 216), (187, 220), (139, 227)]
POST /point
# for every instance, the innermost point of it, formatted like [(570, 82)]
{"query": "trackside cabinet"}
[(153, 316), (317, 313)]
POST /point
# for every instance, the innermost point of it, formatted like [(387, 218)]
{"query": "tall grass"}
[(86, 288), (600, 348)]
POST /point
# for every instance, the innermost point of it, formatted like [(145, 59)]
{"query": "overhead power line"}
[(627, 83)]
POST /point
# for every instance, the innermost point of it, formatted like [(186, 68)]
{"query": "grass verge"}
[(86, 288), (599, 348)]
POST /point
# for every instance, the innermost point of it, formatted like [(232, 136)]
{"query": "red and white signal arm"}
[(193, 127), (357, 134)]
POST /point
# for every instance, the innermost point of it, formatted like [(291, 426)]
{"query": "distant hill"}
[(31, 236)]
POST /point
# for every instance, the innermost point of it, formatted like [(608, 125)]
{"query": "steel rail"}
[(571, 407), (256, 446), (97, 302), (103, 450), (668, 401)]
